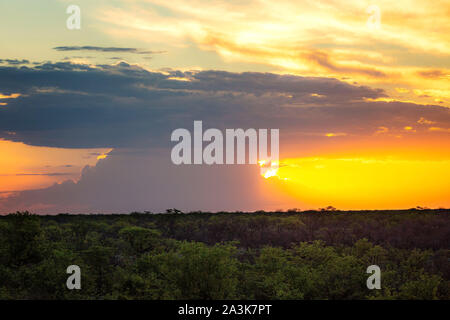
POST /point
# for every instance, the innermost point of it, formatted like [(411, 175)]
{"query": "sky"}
[(360, 91)]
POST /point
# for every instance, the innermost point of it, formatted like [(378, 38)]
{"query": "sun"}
[(269, 168)]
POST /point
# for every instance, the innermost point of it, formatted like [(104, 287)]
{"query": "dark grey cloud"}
[(106, 49), (122, 105), (77, 57), (14, 61)]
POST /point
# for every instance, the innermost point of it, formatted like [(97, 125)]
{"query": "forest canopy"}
[(198, 255)]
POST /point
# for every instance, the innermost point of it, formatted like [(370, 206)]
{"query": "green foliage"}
[(195, 271), (140, 239), (291, 255), (22, 233)]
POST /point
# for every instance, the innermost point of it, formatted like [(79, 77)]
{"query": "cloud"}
[(433, 74), (323, 59), (437, 129), (276, 34), (139, 180), (106, 49), (14, 61), (10, 96), (51, 174), (134, 111), (422, 120), (381, 130), (335, 134), (70, 105)]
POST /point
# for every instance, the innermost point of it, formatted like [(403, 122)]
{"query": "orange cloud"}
[(422, 120), (307, 38), (10, 96), (337, 134), (439, 129), (433, 74)]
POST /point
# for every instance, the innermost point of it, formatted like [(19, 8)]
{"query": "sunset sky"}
[(362, 104)]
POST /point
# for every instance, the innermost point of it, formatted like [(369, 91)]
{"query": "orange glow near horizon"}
[(364, 183), (24, 167)]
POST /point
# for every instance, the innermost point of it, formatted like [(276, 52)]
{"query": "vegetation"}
[(279, 255)]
